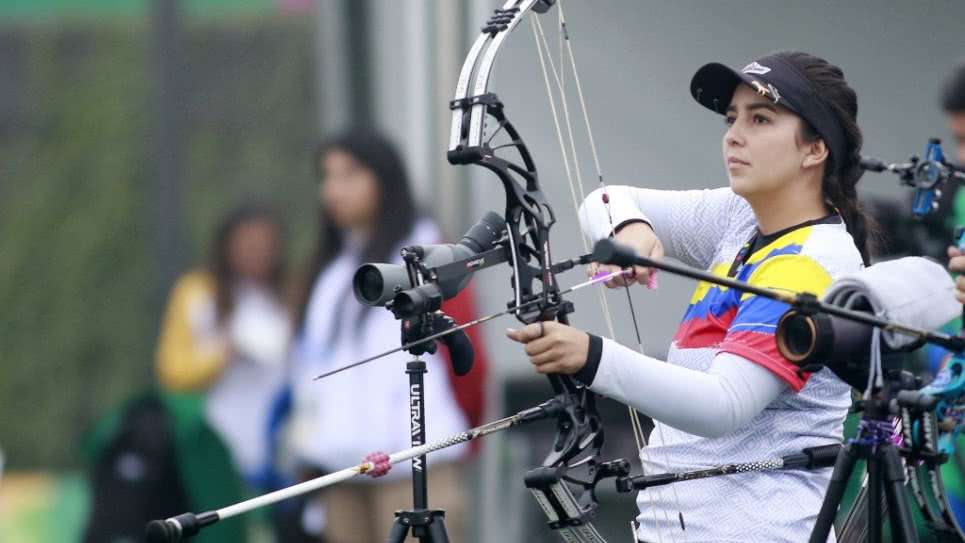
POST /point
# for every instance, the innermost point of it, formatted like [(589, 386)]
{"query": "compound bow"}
[(529, 217)]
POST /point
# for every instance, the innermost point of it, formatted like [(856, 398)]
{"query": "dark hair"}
[(841, 173), (396, 212), (953, 92), (220, 265)]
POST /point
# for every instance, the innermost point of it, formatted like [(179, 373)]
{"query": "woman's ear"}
[(816, 154)]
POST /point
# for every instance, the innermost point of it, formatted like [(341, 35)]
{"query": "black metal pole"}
[(417, 418)]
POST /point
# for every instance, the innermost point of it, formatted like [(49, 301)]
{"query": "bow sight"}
[(927, 176)]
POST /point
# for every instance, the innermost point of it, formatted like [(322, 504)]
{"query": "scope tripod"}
[(886, 473)]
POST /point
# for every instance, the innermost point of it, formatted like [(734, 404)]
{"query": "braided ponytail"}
[(841, 174)]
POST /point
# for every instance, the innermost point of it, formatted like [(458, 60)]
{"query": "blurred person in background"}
[(367, 215), (951, 210), (904, 234), (953, 102), (226, 334), (219, 364)]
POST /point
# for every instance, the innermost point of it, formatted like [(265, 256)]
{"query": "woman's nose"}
[(733, 136)]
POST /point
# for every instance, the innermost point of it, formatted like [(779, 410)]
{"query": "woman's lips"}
[(736, 163)]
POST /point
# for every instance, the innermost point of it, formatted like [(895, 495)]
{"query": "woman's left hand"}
[(553, 347)]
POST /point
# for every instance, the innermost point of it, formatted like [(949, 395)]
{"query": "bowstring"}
[(542, 44)]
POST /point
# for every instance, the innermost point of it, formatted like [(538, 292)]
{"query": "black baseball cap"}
[(714, 84)]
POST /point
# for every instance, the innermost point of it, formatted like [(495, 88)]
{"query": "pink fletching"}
[(380, 464)]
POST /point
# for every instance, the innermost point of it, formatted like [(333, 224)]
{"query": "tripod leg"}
[(437, 530), (875, 487), (843, 467), (398, 532), (893, 480)]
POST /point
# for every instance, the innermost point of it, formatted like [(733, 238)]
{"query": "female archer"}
[(789, 220)]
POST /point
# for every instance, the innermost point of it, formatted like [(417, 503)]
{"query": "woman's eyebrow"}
[(754, 105), (762, 105)]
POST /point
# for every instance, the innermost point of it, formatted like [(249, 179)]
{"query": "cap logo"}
[(776, 96), (755, 68), (769, 91)]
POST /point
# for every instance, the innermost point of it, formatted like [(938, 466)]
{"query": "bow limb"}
[(577, 187)]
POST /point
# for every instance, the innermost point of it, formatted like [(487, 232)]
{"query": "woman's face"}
[(762, 145), (253, 248), (349, 191)]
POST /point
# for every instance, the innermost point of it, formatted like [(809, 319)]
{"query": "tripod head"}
[(902, 390), (422, 317)]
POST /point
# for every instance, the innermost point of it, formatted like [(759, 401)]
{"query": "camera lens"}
[(376, 284), (369, 284)]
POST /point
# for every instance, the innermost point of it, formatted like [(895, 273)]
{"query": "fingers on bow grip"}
[(380, 464)]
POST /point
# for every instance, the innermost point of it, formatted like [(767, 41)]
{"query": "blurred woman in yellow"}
[(226, 333)]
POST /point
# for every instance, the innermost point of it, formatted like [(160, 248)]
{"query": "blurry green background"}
[(87, 249), (80, 279)]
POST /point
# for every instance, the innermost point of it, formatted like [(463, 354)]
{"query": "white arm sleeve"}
[(687, 222), (709, 404)]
